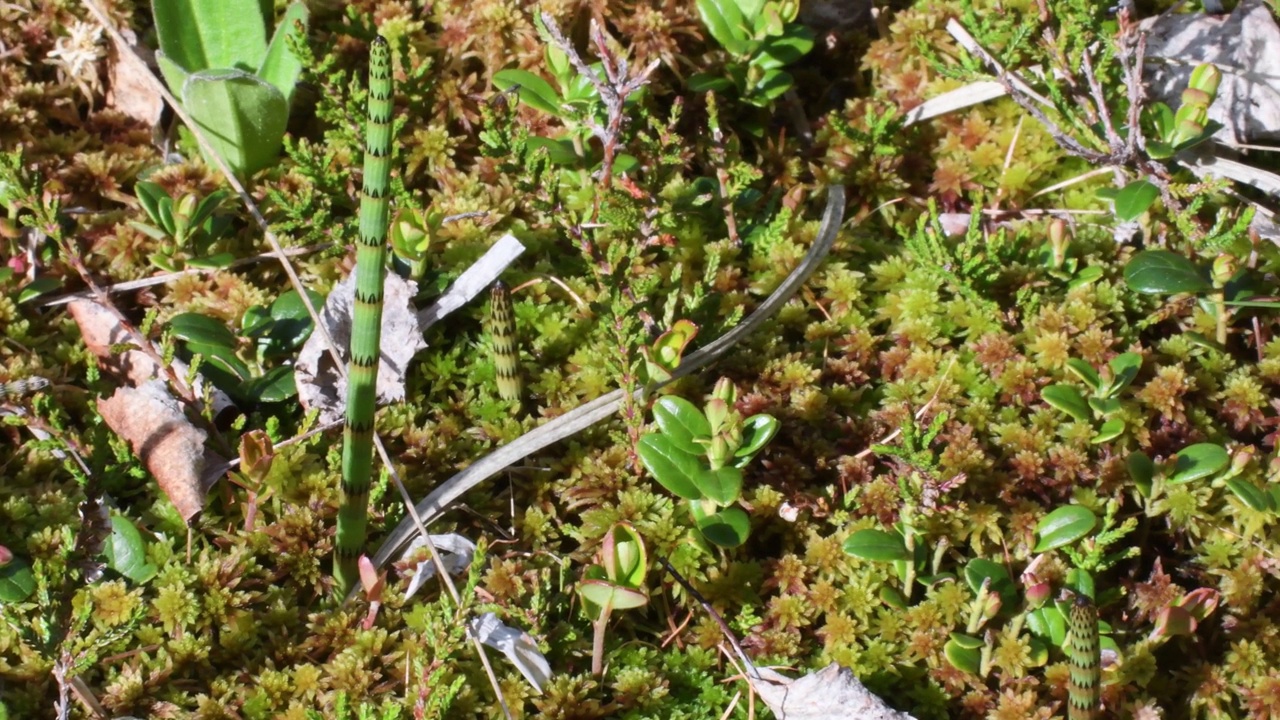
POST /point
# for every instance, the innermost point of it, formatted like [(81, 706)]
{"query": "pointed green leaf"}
[(38, 287), (280, 67), (1067, 399), (1048, 622), (605, 594), (1064, 526), (1124, 368), (1085, 372), (980, 569), (673, 468), (1142, 471), (757, 431), (1198, 461), (963, 658), (877, 546), (275, 385), (725, 23), (1109, 431), (1250, 495), (1165, 273), (533, 90), (203, 35), (194, 327)]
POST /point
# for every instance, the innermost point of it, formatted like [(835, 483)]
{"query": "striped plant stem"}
[(502, 333), (1084, 693), (366, 330)]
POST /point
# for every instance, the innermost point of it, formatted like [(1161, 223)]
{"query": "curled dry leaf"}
[(152, 422), (832, 693)]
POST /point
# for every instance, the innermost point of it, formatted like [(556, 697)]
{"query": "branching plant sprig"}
[(614, 88)]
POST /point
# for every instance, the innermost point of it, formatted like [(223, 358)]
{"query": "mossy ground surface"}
[(238, 620)]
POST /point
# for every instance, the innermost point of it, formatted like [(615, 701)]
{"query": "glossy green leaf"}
[(893, 597), (980, 569), (194, 327), (223, 358), (1048, 622), (1085, 372), (721, 486), (1109, 431), (16, 581), (533, 90), (727, 528), (36, 288), (965, 659), (706, 82), (1064, 526), (779, 51), (757, 431), (1142, 471), (1104, 406), (1134, 199), (1165, 273), (1252, 495), (212, 262), (725, 23), (1124, 368), (276, 385), (605, 594), (126, 551), (683, 423), (877, 546), (1198, 461), (1079, 581), (1067, 399), (673, 468)]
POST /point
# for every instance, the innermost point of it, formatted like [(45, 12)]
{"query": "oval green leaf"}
[(682, 423), (1064, 526), (1085, 372), (877, 546), (1164, 273), (728, 528), (242, 115), (1124, 368), (722, 486), (672, 467), (126, 552), (38, 287), (1142, 471), (757, 431), (194, 327), (1067, 399), (1134, 199), (962, 658), (1048, 622), (1109, 431), (16, 581), (1198, 461)]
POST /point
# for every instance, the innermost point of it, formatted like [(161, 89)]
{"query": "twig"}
[(715, 617)]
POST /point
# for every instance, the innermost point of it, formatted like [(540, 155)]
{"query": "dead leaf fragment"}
[(832, 693), (152, 422), (131, 84)]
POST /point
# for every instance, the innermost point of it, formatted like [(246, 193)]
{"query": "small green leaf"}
[(683, 423), (36, 288), (979, 569), (1105, 407), (1109, 431), (1124, 368), (706, 82), (212, 262), (725, 23), (1086, 276), (757, 431), (720, 486), (606, 594), (276, 385), (1048, 622), (1251, 495), (727, 528), (673, 468), (16, 581), (1142, 471), (194, 327), (126, 551), (1165, 273), (1081, 582), (1198, 461), (965, 659), (1134, 199), (1067, 399), (893, 597), (1085, 372), (533, 90), (1064, 526), (280, 67), (877, 546)]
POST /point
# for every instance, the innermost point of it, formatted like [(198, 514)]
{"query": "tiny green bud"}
[(1224, 267), (1059, 241), (1206, 79)]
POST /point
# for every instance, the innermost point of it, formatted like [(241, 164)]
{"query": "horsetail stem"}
[(366, 332), (1084, 693), (502, 332)]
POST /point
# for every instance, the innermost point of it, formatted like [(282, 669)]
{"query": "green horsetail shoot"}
[(502, 333), (1084, 651), (366, 331)]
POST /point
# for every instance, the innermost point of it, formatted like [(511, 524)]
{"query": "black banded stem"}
[(1084, 651), (366, 331), (506, 352)]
